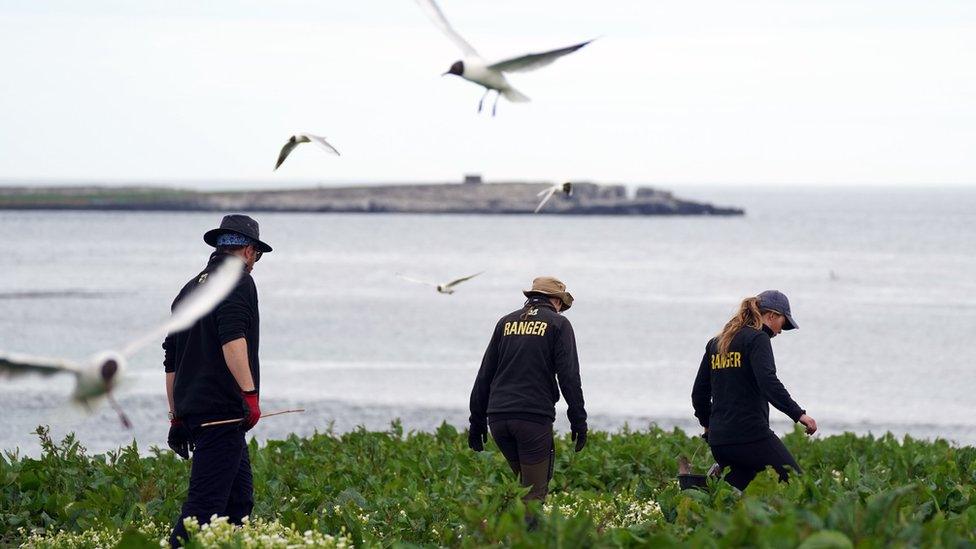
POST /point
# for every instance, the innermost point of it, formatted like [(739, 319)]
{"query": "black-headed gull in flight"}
[(297, 139), (444, 288), (565, 188), (98, 376), (491, 75)]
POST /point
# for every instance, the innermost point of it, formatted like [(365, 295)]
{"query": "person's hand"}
[(179, 438), (252, 409), (477, 437), (579, 435), (809, 423), (704, 434)]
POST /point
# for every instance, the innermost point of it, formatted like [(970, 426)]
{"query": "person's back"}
[(203, 385), (534, 344), (744, 382)]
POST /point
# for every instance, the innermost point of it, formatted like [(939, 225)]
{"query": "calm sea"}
[(881, 280)]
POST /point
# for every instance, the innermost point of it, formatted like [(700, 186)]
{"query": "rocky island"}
[(469, 197)]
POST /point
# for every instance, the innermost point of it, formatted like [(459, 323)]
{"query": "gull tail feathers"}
[(515, 96)]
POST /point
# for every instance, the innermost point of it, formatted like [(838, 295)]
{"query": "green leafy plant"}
[(380, 489)]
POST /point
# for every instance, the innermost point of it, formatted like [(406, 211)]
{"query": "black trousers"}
[(747, 460), (220, 476), (529, 449)]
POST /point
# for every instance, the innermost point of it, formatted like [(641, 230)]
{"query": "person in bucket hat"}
[(735, 385), (530, 358), (213, 374)]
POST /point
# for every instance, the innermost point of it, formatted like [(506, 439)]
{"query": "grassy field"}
[(383, 488)]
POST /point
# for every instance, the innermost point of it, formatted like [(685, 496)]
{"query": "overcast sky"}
[(674, 92)]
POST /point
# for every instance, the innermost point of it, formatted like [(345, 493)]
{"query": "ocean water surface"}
[(881, 281)]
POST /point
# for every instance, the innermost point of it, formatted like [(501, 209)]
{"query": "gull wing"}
[(14, 364), (454, 283), (321, 142), (436, 16), (285, 151), (197, 304), (549, 192), (534, 61), (417, 281)]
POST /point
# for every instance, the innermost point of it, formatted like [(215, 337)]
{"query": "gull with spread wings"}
[(491, 75), (565, 188), (297, 139), (444, 288), (99, 375)]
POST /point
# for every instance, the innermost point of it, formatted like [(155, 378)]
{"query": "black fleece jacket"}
[(529, 349), (204, 386), (733, 391)]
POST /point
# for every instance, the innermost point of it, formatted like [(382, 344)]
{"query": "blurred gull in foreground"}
[(474, 69), (96, 378)]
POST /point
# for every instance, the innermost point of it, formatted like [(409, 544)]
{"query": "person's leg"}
[(215, 465), (740, 460), (241, 500), (780, 458), (506, 442), (536, 455)]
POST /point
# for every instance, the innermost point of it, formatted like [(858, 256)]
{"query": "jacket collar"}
[(539, 301)]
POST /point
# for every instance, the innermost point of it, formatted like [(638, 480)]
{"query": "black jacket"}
[(733, 391), (204, 385), (529, 349)]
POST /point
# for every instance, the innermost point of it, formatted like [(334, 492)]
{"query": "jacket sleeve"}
[(764, 368), (568, 374), (169, 359), (482, 383), (701, 393), (169, 344), (235, 313)]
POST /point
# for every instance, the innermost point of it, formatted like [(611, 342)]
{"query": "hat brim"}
[(565, 297), (211, 236), (790, 323)]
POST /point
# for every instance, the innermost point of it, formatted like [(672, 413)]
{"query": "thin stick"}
[(240, 419)]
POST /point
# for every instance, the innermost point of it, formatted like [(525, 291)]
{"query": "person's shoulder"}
[(750, 335), (711, 343)]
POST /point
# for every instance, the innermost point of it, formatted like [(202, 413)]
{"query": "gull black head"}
[(109, 368), (457, 68)]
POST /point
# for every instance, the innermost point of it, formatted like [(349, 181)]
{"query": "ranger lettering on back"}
[(726, 360), (522, 327)]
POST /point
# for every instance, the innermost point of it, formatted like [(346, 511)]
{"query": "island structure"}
[(471, 196)]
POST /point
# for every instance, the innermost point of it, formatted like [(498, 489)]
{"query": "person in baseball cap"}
[(735, 385)]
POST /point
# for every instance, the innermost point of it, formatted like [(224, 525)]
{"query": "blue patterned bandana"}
[(233, 239)]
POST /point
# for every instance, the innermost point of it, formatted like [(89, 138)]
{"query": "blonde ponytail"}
[(748, 315)]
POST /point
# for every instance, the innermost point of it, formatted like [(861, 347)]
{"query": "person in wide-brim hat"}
[(531, 352), (240, 225), (550, 287)]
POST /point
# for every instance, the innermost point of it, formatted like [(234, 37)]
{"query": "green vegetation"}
[(378, 488)]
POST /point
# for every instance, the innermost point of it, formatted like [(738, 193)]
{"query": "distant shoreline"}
[(501, 198)]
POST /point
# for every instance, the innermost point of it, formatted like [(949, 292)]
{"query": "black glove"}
[(477, 437), (179, 438), (579, 435)]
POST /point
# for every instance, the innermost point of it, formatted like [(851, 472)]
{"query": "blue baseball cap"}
[(775, 300)]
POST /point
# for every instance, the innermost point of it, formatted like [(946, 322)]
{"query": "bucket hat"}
[(237, 224), (550, 287), (775, 300)]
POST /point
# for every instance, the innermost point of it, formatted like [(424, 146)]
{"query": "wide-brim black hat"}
[(237, 224)]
